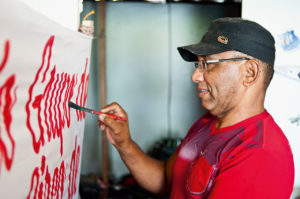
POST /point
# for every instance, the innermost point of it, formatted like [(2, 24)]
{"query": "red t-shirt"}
[(249, 160)]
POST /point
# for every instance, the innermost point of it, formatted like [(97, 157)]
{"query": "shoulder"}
[(261, 141)]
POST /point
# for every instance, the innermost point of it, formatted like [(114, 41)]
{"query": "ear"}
[(252, 72)]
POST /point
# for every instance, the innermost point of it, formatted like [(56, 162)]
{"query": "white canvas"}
[(42, 66)]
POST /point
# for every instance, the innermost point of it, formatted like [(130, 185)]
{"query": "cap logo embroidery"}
[(223, 39)]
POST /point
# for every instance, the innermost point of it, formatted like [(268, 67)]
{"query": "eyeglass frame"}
[(207, 62)]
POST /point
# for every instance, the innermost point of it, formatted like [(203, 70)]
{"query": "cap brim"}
[(189, 53)]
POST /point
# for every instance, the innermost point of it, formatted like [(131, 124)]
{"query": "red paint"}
[(7, 100), (74, 166), (70, 92), (49, 105), (36, 104), (61, 122), (56, 104), (50, 184), (5, 57), (82, 92), (46, 184)]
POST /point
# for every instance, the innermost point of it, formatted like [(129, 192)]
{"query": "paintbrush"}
[(77, 107)]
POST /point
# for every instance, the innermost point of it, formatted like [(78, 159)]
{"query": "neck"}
[(242, 111), (230, 119)]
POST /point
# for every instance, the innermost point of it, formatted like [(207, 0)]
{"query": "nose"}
[(197, 76)]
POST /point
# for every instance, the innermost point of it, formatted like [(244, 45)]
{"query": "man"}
[(236, 150)]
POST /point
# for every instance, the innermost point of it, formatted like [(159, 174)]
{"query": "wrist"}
[(128, 150), (125, 146)]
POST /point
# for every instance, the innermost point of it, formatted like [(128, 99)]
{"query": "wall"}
[(138, 59)]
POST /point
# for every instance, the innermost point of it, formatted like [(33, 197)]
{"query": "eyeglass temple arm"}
[(224, 60)]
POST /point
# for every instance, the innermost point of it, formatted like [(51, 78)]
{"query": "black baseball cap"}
[(226, 34)]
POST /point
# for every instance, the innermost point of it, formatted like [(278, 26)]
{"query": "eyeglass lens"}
[(201, 65)]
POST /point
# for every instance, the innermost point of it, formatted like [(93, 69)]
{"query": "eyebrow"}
[(203, 57), (210, 57)]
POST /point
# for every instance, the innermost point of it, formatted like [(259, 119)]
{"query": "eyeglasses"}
[(203, 64)]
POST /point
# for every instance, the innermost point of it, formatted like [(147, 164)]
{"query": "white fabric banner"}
[(42, 67)]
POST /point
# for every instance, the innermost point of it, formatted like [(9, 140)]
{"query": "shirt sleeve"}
[(252, 174)]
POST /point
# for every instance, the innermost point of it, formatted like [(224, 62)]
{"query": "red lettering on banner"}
[(7, 100), (5, 57), (47, 107), (74, 166), (82, 92), (45, 185)]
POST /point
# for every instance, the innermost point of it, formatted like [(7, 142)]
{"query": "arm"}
[(152, 174)]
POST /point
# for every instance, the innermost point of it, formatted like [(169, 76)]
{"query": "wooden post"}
[(102, 82)]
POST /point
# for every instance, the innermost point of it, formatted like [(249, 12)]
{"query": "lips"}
[(202, 91)]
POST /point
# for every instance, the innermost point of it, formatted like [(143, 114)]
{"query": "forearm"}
[(148, 172)]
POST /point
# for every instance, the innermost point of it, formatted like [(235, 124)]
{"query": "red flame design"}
[(50, 104), (7, 100), (72, 190), (43, 185)]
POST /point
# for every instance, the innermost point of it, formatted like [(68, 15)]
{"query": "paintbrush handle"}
[(73, 105), (110, 115)]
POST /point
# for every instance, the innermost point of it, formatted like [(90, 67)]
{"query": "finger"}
[(101, 118), (109, 137), (102, 127), (99, 122), (116, 109), (111, 123)]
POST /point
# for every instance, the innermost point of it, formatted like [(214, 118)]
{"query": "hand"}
[(117, 132)]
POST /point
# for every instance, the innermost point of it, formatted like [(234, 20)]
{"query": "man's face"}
[(220, 86)]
